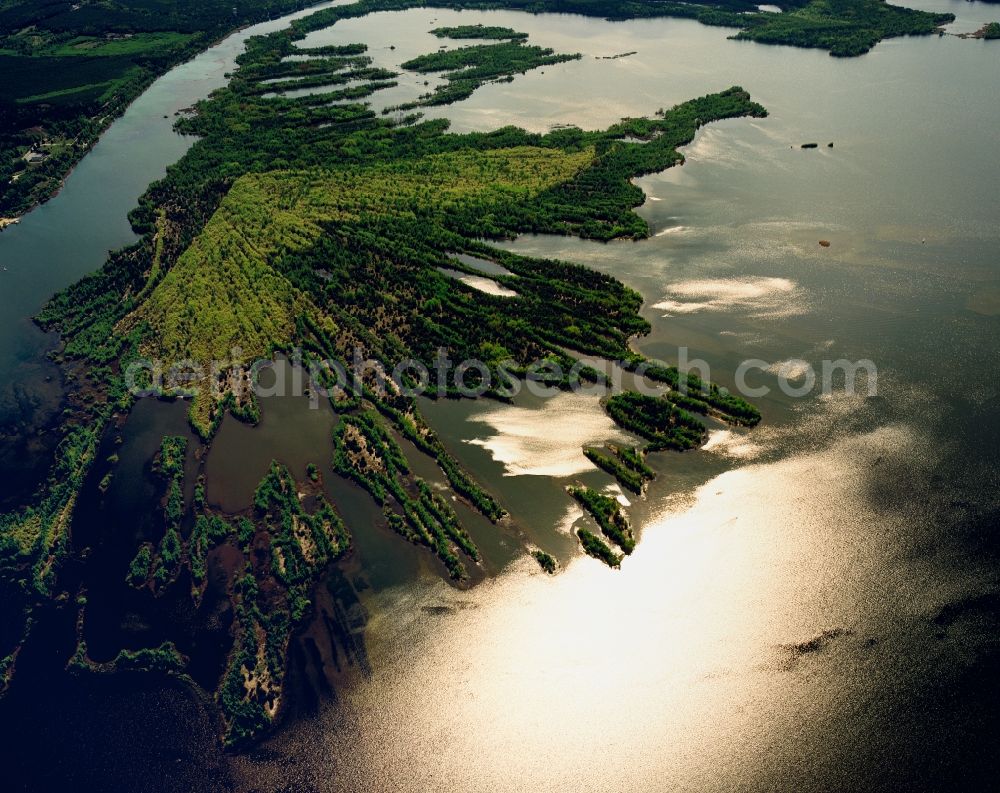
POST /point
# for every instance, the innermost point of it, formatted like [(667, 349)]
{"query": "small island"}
[(479, 31), (466, 69), (545, 560), (596, 547), (609, 516), (625, 465)]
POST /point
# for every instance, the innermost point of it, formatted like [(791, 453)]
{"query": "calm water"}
[(846, 520)]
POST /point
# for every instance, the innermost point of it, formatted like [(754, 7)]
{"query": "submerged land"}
[(311, 222)]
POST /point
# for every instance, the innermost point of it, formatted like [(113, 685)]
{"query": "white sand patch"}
[(487, 285), (483, 284)]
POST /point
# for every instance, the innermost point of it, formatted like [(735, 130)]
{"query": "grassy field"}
[(223, 292), (133, 44)]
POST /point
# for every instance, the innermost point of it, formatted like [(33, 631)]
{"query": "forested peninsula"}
[(313, 223), (70, 68)]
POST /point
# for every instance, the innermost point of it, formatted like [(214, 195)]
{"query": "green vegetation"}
[(321, 254), (139, 570), (301, 543), (844, 27), (658, 420), (990, 31), (273, 232), (167, 564), (407, 420), (626, 465), (70, 71), (165, 658), (208, 531), (285, 212), (34, 540), (170, 461), (694, 394), (293, 547), (633, 460), (271, 597), (479, 32), (245, 532), (294, 535), (468, 68), (367, 454), (249, 695), (596, 547), (609, 516), (545, 560), (169, 464), (330, 66)]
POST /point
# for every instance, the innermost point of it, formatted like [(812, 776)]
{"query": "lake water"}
[(780, 623)]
